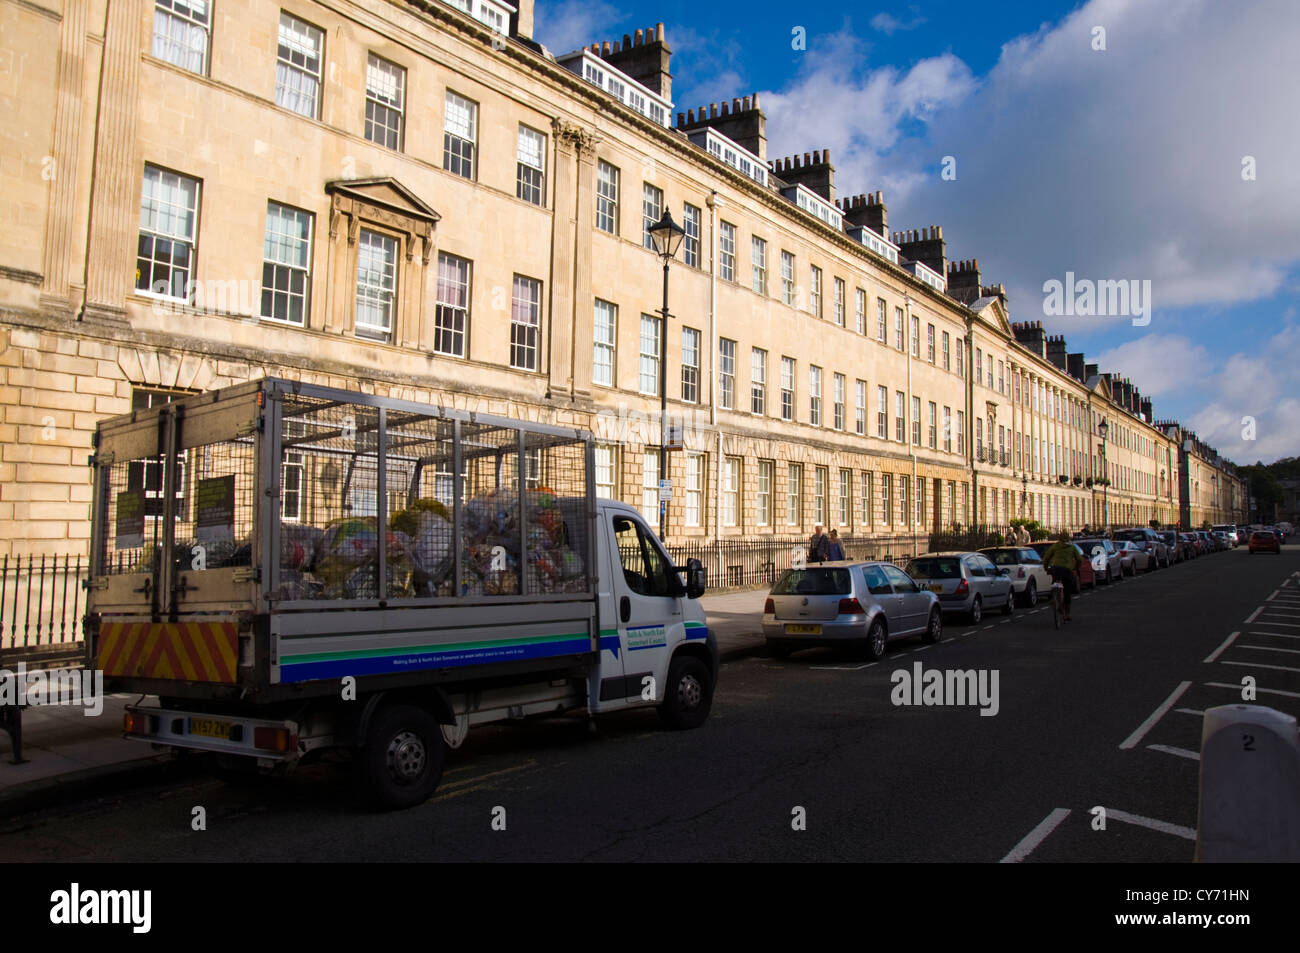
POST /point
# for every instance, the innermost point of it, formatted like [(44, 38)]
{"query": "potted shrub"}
[(1078, 480)]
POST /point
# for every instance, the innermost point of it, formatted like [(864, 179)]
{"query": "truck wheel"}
[(688, 696), (400, 763)]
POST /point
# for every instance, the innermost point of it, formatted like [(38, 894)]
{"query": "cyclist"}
[(1062, 560)]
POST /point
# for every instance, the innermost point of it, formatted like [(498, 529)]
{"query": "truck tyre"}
[(400, 763), (688, 696)]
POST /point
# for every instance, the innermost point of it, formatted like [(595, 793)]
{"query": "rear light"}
[(769, 607), (1020, 573), (135, 723), (850, 607), (274, 739), (963, 588)]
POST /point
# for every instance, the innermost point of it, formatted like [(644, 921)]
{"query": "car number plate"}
[(211, 728), (803, 630), (936, 587)]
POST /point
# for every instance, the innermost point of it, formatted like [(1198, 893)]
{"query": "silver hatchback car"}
[(967, 583), (867, 604)]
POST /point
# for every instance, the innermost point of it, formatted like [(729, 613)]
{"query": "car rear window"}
[(1132, 534), (940, 568), (813, 582), (1003, 557)]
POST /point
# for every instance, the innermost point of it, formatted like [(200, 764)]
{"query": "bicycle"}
[(1058, 602)]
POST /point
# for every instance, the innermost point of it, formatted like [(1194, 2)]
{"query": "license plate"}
[(803, 630), (210, 728), (936, 587)]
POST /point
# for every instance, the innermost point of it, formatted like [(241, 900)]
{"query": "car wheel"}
[(779, 649), (688, 696), (400, 764), (1110, 576), (976, 611), (934, 631), (1009, 606), (877, 639), (1031, 594)]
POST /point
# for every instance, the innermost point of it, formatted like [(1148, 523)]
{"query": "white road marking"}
[(1180, 752), (1276, 635), (1254, 615), (1151, 823), (1036, 836), (841, 668), (1285, 625), (1266, 691), (1191, 711), (951, 638), (986, 628), (1279, 668), (1219, 651), (1270, 648), (923, 648), (971, 632), (1132, 740)]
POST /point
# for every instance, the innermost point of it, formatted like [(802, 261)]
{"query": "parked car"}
[(1223, 539), (860, 603), (1085, 577), (1211, 544), (1195, 542), (1149, 543), (1129, 556), (1229, 531), (1263, 541), (1104, 557), (966, 583), (1029, 576), (1175, 544), (1243, 535)]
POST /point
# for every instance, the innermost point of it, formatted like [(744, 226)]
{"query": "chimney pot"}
[(605, 48), (726, 108), (735, 105), (659, 32)]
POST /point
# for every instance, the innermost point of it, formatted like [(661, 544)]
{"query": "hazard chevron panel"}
[(188, 651)]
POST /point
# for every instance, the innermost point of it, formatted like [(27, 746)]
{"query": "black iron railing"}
[(41, 600)]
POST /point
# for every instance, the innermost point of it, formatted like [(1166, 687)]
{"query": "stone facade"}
[(104, 115)]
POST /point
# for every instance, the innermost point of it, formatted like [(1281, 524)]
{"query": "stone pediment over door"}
[(384, 201)]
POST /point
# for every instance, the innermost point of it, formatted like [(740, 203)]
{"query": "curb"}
[(96, 781)]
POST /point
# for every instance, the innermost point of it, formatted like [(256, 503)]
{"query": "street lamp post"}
[(667, 236), (1103, 428)]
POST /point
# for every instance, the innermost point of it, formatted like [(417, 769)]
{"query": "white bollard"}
[(1250, 786)]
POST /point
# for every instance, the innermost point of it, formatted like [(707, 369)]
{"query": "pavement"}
[(71, 754)]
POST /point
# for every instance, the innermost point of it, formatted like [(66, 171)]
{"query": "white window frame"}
[(286, 262), (182, 33), (604, 343)]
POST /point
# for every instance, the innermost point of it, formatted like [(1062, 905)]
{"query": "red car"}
[(1262, 541), (1084, 578)]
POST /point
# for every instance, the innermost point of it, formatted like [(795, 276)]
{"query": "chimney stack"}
[(926, 246), (964, 280), (740, 120), (865, 211), (644, 57), (814, 171)]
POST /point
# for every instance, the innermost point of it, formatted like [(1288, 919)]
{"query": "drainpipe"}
[(907, 306), (713, 202), (969, 348)]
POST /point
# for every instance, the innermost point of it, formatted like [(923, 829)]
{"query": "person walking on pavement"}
[(1062, 560), (818, 546), (834, 549)]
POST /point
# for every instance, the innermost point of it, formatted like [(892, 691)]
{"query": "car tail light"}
[(769, 607), (850, 607), (963, 588), (1020, 573)]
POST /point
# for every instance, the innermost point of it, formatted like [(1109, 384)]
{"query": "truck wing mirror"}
[(694, 570)]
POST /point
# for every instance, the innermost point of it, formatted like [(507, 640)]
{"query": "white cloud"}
[(888, 24), (859, 115), (573, 24), (1223, 388)]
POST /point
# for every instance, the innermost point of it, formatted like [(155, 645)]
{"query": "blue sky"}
[(1171, 156)]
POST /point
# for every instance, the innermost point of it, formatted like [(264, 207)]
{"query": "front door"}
[(648, 612)]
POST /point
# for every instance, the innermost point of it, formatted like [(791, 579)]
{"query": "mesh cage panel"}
[(330, 507), (214, 511)]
